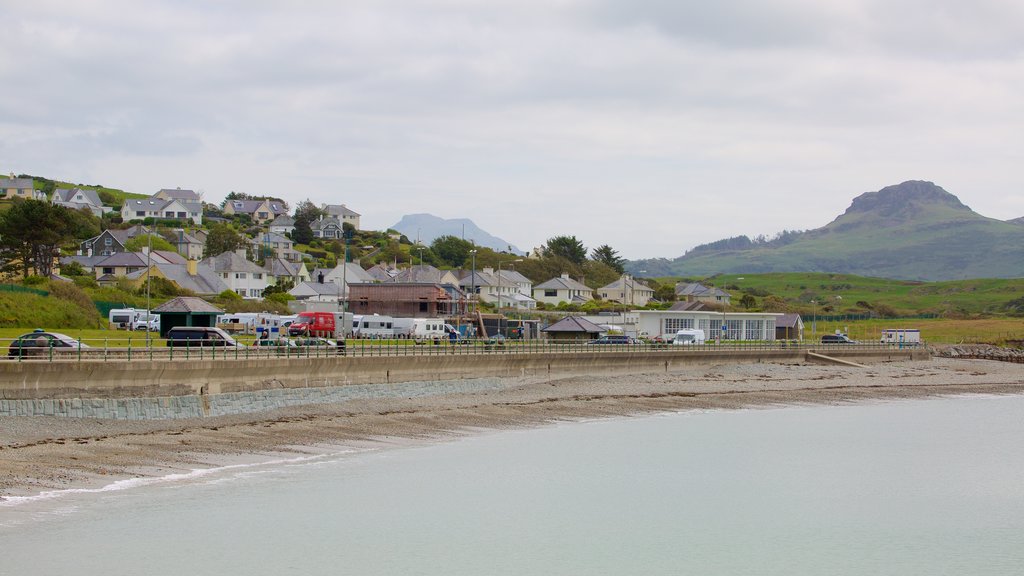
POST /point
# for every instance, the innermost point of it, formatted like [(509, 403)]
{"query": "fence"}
[(20, 288), (121, 350)]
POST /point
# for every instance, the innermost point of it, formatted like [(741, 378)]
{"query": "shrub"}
[(34, 281)]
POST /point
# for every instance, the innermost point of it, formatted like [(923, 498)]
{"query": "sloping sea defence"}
[(41, 453)]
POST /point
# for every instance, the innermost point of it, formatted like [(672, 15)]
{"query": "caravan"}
[(375, 326), (133, 319)]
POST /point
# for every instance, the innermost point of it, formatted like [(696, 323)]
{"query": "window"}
[(224, 275), (423, 306), (676, 324), (140, 213), (754, 330), (240, 275), (240, 291), (734, 329), (181, 214), (108, 241), (551, 293), (108, 270), (257, 276)]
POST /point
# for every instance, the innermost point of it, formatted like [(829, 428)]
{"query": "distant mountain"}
[(914, 231), (428, 227), (1019, 221)]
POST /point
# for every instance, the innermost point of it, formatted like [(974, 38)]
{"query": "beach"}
[(39, 454)]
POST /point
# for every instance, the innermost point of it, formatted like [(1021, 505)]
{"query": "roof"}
[(634, 284), (179, 194), (187, 304), (122, 259), (232, 262), (422, 273), (16, 183), (205, 280), (322, 223), (787, 320), (170, 257), (325, 289), (154, 204), (514, 277), (694, 289), (339, 210), (283, 220), (480, 278), (282, 267), (381, 273), (574, 324), (271, 238), (562, 283), (250, 206)]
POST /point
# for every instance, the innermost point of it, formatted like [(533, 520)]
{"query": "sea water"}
[(932, 486)]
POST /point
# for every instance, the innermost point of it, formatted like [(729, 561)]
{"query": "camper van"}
[(133, 319), (375, 326), (689, 337)]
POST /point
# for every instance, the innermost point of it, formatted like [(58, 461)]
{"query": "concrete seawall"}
[(181, 389)]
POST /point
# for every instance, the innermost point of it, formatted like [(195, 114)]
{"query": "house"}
[(178, 194), (343, 214), (327, 228), (789, 327), (573, 328), (627, 290), (245, 278), (120, 264), (382, 272), (275, 245), (281, 270), (562, 289), (283, 225), (403, 299), (260, 211), (78, 198), (19, 188), (350, 273), (511, 288), (162, 209), (200, 279), (739, 325), (522, 290), (318, 291), (701, 293), (108, 242), (425, 274), (189, 244)]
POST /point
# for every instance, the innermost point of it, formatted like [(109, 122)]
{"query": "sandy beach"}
[(46, 453)]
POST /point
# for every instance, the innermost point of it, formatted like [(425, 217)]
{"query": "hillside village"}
[(262, 250)]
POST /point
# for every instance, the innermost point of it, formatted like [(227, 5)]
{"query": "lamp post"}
[(472, 289), (814, 319)]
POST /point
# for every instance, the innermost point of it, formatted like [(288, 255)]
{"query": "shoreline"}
[(40, 454)]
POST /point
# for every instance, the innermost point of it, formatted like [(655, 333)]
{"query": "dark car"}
[(200, 336), (837, 339), (613, 340), (39, 343)]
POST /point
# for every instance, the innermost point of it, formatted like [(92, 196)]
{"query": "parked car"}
[(200, 336), (613, 340), (837, 339), (39, 342)]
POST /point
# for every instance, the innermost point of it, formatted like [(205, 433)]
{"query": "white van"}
[(131, 319), (688, 337), (911, 336)]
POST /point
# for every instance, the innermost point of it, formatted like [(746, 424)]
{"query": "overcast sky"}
[(648, 125)]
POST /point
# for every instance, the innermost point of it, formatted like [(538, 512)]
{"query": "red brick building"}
[(406, 300)]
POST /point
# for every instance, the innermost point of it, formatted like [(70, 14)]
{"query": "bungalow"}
[(342, 214), (701, 293), (627, 290), (177, 194), (260, 211), (562, 289), (245, 278), (161, 209), (77, 199)]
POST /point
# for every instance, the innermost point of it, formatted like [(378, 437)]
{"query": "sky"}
[(648, 125)]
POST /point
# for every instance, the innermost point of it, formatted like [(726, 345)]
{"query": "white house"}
[(78, 198), (245, 278), (343, 214), (159, 208), (627, 290), (562, 289), (739, 325)]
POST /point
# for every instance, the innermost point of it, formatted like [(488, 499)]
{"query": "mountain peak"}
[(901, 199), (427, 227)]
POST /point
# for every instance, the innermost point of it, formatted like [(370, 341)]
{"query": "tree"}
[(141, 241), (567, 247), (748, 301), (305, 214), (31, 234), (609, 257), (451, 250), (222, 238)]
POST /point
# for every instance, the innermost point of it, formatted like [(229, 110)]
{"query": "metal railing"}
[(121, 350)]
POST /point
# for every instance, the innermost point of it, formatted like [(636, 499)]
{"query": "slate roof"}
[(152, 204), (381, 273), (232, 262), (574, 324), (283, 220), (419, 274), (66, 196), (634, 285), (562, 283), (204, 282), (322, 223), (699, 290), (325, 289), (179, 194), (16, 183), (691, 306), (787, 321), (250, 206), (122, 259), (482, 279), (282, 267), (339, 210), (187, 304)]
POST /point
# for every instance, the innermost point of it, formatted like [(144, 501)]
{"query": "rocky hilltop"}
[(913, 231)]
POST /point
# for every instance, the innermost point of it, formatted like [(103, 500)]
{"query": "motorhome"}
[(375, 326), (132, 319), (428, 329), (689, 337)]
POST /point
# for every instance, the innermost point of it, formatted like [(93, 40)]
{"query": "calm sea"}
[(908, 487)]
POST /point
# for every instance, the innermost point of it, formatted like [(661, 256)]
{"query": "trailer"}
[(373, 326)]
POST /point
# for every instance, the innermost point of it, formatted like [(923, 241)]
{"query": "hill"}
[(112, 197), (428, 227), (912, 231)]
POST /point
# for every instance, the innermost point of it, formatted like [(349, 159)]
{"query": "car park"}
[(41, 343)]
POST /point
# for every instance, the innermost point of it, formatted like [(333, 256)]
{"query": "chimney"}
[(489, 270), (565, 275), (192, 266)]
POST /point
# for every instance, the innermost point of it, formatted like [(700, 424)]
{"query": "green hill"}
[(914, 231), (112, 197)]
